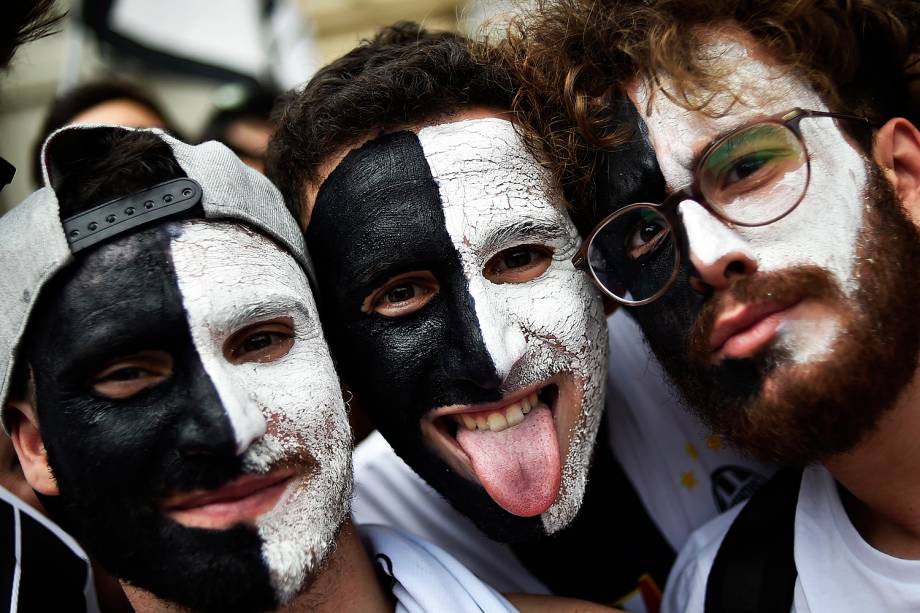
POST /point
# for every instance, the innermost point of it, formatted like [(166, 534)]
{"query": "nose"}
[(203, 429), (482, 345), (242, 408), (718, 254), (501, 334)]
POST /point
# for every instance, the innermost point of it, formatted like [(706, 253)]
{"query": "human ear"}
[(27, 440), (897, 151)]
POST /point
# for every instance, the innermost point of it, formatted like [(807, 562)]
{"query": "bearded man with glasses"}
[(753, 175)]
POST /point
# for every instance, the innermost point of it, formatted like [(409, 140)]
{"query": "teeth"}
[(497, 422), (514, 415), (529, 403)]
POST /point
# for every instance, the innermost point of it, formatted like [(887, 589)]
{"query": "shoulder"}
[(685, 591), (372, 449), (386, 489)]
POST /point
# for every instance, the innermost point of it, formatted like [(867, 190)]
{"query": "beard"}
[(779, 410)]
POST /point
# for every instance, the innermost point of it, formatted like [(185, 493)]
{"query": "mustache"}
[(788, 285)]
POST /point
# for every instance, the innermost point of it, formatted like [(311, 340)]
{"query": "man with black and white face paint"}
[(454, 311), (503, 389), (770, 256), (172, 398), (178, 410)]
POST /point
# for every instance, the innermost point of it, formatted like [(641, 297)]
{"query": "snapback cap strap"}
[(128, 212)]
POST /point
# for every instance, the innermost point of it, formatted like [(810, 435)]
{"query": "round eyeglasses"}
[(752, 176)]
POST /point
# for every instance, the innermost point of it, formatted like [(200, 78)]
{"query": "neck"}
[(347, 583), (609, 494), (882, 478)]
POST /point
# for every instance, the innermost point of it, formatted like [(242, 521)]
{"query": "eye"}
[(402, 295), (262, 343), (518, 264), (130, 375), (646, 236), (753, 159), (744, 168)]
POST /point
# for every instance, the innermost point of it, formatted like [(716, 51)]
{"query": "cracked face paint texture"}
[(822, 231), (450, 200), (186, 290)]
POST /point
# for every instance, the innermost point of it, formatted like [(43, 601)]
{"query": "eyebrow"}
[(268, 307), (523, 232)]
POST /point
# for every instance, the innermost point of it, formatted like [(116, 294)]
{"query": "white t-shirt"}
[(683, 476), (838, 571), (425, 577)]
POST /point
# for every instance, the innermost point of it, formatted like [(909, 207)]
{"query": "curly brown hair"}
[(573, 56), (403, 76)]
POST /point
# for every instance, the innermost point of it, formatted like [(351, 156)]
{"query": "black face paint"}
[(115, 461), (631, 174), (401, 368)]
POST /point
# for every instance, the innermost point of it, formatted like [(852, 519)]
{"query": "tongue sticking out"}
[(519, 467)]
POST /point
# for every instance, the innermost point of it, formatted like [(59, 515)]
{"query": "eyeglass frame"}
[(667, 208)]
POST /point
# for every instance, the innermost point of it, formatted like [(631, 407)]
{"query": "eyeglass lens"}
[(752, 177), (756, 175), (634, 256)]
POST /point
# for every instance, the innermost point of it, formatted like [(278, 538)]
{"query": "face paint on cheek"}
[(291, 407), (495, 196), (808, 334)]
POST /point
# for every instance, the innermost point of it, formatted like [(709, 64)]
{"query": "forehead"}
[(751, 87), (483, 168), (124, 279), (399, 183), (136, 278), (235, 263)]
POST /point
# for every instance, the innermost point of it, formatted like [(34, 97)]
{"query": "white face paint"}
[(283, 412), (821, 231), (496, 196)]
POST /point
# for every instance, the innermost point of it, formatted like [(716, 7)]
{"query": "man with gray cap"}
[(170, 394)]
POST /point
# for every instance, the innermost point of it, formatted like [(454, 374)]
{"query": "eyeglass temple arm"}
[(802, 113)]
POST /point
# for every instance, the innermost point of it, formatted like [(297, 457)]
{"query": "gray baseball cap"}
[(35, 243)]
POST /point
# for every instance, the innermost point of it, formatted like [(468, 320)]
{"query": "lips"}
[(512, 448), (240, 501), (744, 330)]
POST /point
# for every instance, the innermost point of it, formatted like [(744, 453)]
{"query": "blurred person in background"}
[(242, 121), (23, 21), (110, 102)]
